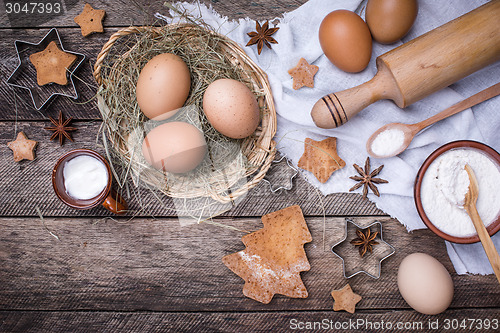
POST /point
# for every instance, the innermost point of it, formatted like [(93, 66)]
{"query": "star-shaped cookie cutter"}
[(278, 187), (371, 263), (24, 76)]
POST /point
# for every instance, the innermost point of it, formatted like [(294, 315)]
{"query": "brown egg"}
[(346, 40), (390, 20), (175, 147), (425, 284), (231, 108), (163, 86)]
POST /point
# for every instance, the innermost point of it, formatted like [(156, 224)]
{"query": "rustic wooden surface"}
[(150, 274)]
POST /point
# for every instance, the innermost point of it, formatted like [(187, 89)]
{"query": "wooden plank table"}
[(150, 274)]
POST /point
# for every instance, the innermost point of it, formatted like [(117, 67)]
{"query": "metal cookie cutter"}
[(352, 262), (280, 178), (24, 76)]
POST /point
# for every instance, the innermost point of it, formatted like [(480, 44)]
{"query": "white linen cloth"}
[(297, 38)]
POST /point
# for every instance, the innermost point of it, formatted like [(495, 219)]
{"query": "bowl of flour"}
[(442, 183)]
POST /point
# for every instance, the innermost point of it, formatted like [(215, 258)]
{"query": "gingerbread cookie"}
[(90, 20), (274, 257), (345, 299), (303, 74), (52, 64), (23, 148), (321, 158)]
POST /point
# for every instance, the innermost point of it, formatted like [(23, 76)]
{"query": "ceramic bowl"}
[(463, 144)]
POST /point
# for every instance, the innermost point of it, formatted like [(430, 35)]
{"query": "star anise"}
[(61, 128), (262, 36), (365, 241), (366, 179)]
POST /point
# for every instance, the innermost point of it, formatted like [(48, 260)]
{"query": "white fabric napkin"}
[(297, 38)]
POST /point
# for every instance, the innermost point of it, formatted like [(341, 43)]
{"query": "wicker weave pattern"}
[(259, 149)]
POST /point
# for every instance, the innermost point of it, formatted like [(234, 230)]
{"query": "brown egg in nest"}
[(163, 86), (231, 108), (175, 147)]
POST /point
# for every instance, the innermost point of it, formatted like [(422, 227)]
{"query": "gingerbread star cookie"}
[(52, 64), (274, 257), (345, 299), (303, 74), (23, 148), (321, 158), (90, 20)]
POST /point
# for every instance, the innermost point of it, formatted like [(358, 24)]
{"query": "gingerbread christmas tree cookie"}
[(274, 257), (321, 158), (303, 74), (23, 148), (90, 20), (52, 65)]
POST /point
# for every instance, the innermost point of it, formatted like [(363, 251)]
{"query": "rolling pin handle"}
[(335, 109)]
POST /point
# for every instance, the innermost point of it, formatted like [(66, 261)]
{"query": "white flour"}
[(85, 177), (453, 180), (445, 184), (387, 142)]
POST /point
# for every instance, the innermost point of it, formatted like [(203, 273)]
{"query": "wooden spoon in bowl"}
[(470, 207), (410, 130)]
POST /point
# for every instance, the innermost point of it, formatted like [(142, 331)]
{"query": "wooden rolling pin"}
[(421, 67)]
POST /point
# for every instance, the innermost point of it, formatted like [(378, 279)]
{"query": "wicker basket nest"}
[(226, 184)]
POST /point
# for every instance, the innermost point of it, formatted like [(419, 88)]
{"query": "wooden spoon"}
[(470, 207), (410, 130)]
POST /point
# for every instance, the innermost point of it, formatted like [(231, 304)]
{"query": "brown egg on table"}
[(175, 147), (231, 108), (390, 20), (163, 86), (346, 40), (425, 284)]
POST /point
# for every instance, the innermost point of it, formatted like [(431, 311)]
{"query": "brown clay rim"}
[(490, 152), (58, 186), (259, 148)]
